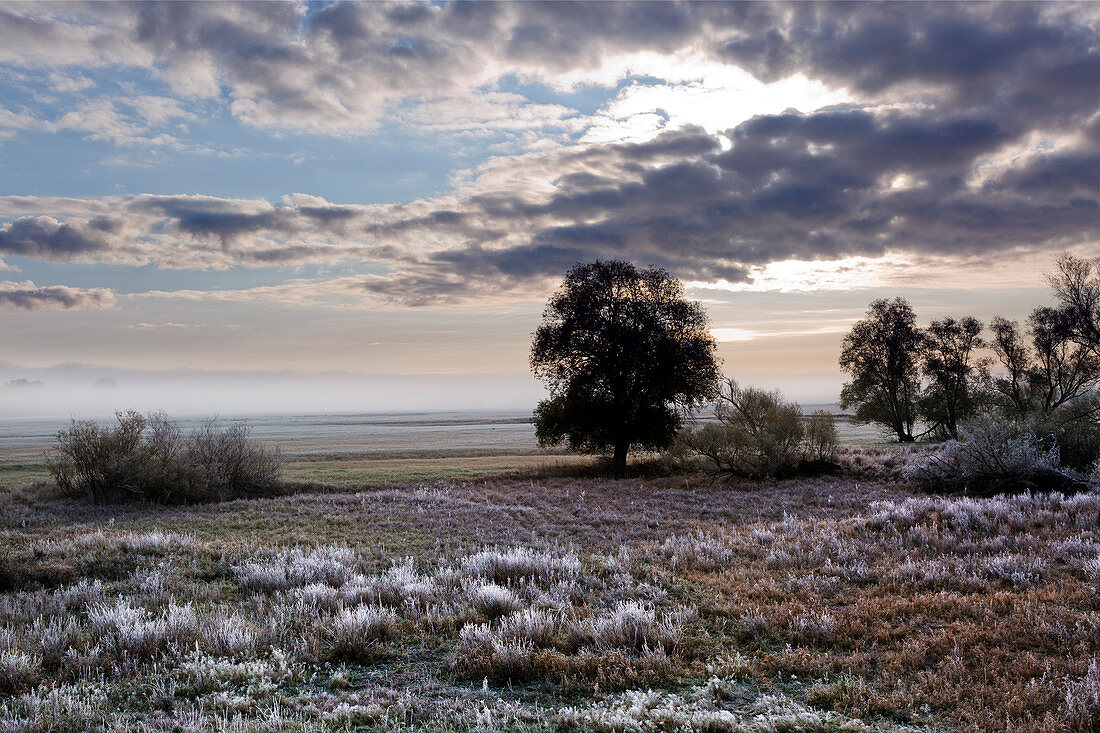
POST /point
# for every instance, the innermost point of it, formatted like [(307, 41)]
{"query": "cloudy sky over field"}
[(395, 189)]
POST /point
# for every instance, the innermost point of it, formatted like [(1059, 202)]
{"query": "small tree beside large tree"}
[(622, 353), (882, 353), (954, 375)]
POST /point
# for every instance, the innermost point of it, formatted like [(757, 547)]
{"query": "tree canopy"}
[(620, 349), (882, 354)]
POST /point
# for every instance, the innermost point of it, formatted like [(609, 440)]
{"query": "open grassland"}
[(541, 602), (363, 450)]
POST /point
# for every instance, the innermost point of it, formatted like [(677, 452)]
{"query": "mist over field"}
[(85, 392), (97, 392)]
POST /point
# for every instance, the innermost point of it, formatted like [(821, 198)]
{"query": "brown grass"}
[(836, 594)]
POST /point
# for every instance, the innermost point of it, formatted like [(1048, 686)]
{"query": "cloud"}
[(956, 132), (28, 296), (726, 335), (811, 187), (344, 67)]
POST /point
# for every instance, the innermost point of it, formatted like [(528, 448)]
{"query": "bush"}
[(821, 438), (1075, 432), (991, 457), (756, 434), (151, 458)]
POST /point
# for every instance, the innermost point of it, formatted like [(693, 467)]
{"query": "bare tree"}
[(753, 433), (1013, 354), (1076, 284)]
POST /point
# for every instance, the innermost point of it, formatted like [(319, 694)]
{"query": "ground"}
[(550, 599)]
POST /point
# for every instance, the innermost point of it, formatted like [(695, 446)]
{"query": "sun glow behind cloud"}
[(790, 276), (727, 335), (692, 91)]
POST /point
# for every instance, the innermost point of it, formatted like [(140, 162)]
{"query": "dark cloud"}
[(28, 296), (49, 239), (342, 66)]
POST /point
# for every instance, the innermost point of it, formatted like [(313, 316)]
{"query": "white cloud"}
[(727, 335), (68, 82), (695, 91), (809, 275)]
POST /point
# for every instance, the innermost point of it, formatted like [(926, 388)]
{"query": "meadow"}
[(454, 577)]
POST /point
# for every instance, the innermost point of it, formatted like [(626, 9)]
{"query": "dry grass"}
[(555, 603)]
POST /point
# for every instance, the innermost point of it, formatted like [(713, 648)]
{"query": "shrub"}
[(102, 462), (754, 434), (1076, 438), (757, 434), (992, 457), (820, 442), (152, 458)]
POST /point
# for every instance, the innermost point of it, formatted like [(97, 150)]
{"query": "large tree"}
[(620, 350), (882, 353)]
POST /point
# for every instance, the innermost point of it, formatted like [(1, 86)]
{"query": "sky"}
[(265, 207)]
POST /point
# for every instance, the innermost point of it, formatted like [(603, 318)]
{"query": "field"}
[(467, 581)]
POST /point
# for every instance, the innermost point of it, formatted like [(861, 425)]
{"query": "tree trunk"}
[(618, 461)]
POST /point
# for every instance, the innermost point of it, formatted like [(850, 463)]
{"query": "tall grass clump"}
[(152, 458)]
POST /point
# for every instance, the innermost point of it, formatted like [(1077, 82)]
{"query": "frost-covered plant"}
[(630, 625), (536, 625), (18, 671), (990, 456), (698, 550), (518, 564), (297, 567), (53, 638), (228, 636), (64, 708), (1016, 569), (493, 601), (1082, 706), (399, 587), (356, 631), (484, 652), (131, 631), (707, 708), (204, 673), (812, 626), (1092, 568), (319, 596)]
